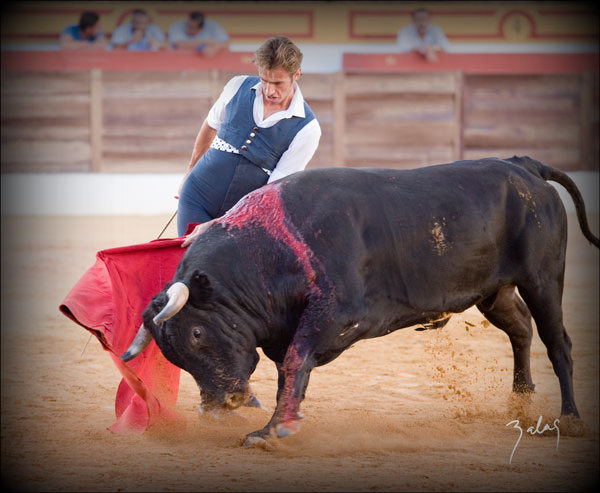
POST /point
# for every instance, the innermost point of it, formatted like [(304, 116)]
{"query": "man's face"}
[(421, 20), (91, 31), (278, 85), (192, 27), (140, 22)]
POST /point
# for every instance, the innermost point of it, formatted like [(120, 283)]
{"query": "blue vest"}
[(261, 146)]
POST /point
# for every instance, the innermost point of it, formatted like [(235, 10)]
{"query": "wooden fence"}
[(146, 120)]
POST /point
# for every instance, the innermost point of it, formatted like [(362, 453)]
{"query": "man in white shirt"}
[(198, 33), (139, 34), (259, 130), (422, 36)]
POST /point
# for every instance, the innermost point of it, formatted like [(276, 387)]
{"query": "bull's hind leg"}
[(508, 312), (544, 302)]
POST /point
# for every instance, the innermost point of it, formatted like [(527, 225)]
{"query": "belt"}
[(220, 145)]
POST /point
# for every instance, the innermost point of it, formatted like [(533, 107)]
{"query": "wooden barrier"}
[(405, 112), (402, 121), (89, 115)]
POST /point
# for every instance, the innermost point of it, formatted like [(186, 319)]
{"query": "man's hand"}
[(198, 230), (138, 35), (157, 45)]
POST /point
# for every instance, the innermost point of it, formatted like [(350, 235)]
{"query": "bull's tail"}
[(551, 174)]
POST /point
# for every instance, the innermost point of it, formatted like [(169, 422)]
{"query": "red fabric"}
[(108, 301)]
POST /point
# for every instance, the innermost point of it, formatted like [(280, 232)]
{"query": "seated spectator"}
[(139, 34), (85, 35), (422, 37), (198, 33)]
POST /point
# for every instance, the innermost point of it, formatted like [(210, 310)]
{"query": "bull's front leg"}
[(293, 380)]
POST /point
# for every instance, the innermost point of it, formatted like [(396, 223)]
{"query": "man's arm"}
[(121, 39), (212, 46), (203, 140), (68, 42), (211, 124)]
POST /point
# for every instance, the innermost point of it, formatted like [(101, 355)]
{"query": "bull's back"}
[(413, 234)]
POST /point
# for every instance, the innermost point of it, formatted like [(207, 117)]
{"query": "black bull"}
[(308, 265)]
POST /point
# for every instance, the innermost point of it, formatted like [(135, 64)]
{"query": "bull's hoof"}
[(258, 438), (571, 426), (255, 441), (288, 428)]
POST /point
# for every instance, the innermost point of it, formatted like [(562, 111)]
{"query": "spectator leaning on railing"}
[(139, 34), (198, 33), (422, 36), (86, 35)]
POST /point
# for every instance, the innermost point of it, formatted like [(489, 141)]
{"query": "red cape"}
[(108, 301)]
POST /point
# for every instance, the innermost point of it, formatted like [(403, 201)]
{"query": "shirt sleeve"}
[(216, 114), (406, 40), (440, 38), (155, 32), (68, 31), (300, 151), (121, 34), (176, 33), (218, 33)]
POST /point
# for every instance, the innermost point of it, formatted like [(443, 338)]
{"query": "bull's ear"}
[(200, 288)]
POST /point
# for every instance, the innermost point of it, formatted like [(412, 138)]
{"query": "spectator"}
[(139, 34), (198, 33), (85, 35), (422, 37), (260, 129)]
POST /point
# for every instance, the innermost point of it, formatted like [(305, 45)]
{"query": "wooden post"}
[(457, 151), (585, 121), (96, 118), (215, 86), (339, 118)]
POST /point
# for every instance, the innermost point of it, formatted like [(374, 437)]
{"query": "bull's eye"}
[(197, 333)]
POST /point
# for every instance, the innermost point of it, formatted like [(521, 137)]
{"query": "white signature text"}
[(532, 431)]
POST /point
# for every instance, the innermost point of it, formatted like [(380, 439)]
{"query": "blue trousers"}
[(205, 188)]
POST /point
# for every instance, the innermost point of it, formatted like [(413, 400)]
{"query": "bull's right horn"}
[(140, 342), (178, 295)]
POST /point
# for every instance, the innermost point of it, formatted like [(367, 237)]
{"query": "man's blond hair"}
[(278, 52)]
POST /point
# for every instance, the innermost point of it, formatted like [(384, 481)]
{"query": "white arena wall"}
[(149, 194)]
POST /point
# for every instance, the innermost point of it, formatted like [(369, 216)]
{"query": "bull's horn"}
[(140, 342), (178, 295)]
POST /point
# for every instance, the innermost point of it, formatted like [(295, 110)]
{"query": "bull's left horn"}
[(140, 342), (178, 295)]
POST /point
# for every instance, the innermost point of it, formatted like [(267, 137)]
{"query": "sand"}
[(408, 411)]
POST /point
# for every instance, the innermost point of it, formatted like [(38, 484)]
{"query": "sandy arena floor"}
[(409, 411)]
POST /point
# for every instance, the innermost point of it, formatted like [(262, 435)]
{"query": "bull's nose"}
[(235, 400)]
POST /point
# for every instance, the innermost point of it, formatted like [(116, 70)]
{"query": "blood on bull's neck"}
[(264, 208)]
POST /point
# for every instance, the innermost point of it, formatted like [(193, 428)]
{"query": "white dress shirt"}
[(304, 144), (409, 39)]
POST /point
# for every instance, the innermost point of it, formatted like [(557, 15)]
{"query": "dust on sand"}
[(409, 411)]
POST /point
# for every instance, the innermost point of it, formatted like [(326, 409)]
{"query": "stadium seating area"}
[(518, 79)]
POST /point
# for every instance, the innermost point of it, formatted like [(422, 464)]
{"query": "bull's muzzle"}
[(178, 295), (140, 342), (235, 400)]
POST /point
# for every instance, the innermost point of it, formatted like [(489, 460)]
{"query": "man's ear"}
[(200, 289), (297, 75)]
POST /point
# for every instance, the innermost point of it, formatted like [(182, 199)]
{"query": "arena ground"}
[(410, 411)]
